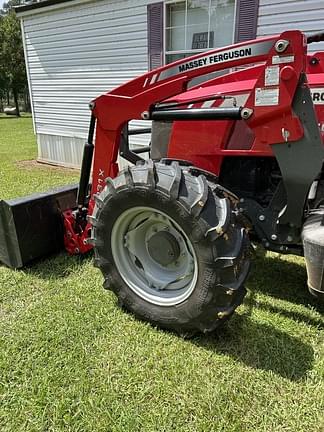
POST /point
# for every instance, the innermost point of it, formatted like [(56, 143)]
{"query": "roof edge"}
[(28, 9)]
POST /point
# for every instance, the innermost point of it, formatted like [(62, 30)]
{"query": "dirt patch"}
[(34, 164)]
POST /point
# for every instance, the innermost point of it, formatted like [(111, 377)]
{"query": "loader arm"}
[(137, 98)]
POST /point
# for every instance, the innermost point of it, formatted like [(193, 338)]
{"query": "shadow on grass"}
[(14, 117), (261, 346), (294, 315), (283, 280), (58, 266)]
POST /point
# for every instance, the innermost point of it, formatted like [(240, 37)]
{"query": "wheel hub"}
[(163, 248), (154, 256)]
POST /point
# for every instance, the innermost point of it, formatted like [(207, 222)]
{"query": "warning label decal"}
[(282, 59), (266, 97), (271, 77)]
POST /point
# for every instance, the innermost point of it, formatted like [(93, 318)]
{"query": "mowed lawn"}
[(71, 360)]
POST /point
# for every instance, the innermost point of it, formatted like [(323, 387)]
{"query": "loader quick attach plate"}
[(32, 227)]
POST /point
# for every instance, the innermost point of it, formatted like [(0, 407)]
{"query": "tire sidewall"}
[(122, 201)]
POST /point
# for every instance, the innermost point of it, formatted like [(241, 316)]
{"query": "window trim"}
[(194, 51)]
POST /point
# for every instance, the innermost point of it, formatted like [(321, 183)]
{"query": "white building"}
[(78, 49)]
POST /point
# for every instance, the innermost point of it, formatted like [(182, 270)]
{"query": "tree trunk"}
[(15, 95), (27, 101), (8, 97)]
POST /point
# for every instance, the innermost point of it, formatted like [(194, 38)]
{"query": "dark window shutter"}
[(246, 20), (155, 35)]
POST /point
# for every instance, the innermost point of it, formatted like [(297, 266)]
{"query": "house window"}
[(193, 26)]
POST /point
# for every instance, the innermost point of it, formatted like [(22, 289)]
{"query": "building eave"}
[(45, 5)]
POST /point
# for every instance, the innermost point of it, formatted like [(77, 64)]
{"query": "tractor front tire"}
[(170, 245)]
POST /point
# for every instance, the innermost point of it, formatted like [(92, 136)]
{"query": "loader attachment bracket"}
[(301, 161), (279, 225)]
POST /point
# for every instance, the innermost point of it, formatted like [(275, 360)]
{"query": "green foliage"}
[(12, 54), (12, 64)]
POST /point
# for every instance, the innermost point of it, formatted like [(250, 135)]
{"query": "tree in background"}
[(13, 77)]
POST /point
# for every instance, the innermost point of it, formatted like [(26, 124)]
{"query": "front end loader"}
[(237, 158)]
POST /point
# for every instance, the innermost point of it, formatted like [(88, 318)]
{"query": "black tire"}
[(207, 214), (318, 295)]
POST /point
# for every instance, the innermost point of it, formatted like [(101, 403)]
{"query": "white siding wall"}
[(276, 16), (74, 54)]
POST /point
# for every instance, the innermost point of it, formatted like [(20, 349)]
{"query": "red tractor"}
[(236, 158)]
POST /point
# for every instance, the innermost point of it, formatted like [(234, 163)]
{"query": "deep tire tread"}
[(225, 244), (177, 177)]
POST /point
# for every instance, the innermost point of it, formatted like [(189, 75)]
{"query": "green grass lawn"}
[(70, 360)]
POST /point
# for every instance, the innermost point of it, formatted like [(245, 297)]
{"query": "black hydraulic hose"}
[(317, 37), (86, 165), (197, 114)]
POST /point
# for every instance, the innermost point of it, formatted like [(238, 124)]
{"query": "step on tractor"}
[(233, 159)]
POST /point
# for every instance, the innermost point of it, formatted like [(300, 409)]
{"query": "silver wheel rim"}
[(154, 256)]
